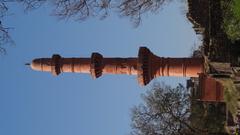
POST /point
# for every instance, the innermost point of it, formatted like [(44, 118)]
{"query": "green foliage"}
[(231, 95), (236, 8), (231, 21)]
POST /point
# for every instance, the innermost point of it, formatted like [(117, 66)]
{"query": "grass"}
[(231, 19)]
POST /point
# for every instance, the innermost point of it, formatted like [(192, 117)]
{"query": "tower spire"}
[(27, 64), (147, 66)]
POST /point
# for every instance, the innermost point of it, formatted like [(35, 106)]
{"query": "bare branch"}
[(166, 111), (5, 38), (135, 8), (81, 9), (31, 4)]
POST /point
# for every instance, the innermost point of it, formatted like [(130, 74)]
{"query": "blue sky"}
[(36, 103)]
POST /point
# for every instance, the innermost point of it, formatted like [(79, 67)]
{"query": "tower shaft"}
[(147, 66)]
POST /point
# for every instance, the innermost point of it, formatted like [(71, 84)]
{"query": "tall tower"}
[(147, 66)]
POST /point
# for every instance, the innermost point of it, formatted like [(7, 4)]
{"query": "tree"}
[(4, 31), (81, 10), (166, 111), (135, 8), (5, 37)]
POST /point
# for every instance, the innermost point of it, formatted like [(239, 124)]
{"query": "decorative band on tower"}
[(55, 64), (96, 65), (144, 66)]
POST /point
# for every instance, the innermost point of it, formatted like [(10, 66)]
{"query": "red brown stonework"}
[(147, 66), (211, 89)]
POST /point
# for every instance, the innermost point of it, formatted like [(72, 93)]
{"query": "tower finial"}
[(27, 64)]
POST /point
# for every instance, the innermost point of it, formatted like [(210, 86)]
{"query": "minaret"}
[(147, 66)]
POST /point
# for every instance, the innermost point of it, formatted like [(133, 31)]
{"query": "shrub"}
[(231, 22)]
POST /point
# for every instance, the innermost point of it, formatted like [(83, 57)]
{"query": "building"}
[(146, 66)]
